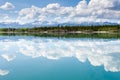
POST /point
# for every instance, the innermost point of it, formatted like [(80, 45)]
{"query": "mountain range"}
[(38, 24)]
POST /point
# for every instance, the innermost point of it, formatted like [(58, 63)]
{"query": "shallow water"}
[(45, 58)]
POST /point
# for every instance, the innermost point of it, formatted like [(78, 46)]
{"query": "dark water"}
[(50, 58)]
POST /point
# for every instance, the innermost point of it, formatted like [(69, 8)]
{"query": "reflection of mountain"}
[(97, 51)]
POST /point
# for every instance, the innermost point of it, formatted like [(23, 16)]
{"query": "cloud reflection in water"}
[(3, 72), (97, 52)]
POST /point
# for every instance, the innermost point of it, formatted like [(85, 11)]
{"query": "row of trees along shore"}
[(65, 29)]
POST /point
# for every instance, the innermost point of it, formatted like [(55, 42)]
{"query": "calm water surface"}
[(40, 58)]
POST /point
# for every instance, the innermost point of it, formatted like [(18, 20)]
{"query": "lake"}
[(59, 58)]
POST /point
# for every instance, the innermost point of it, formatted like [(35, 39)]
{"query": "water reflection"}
[(8, 57), (99, 52), (3, 72)]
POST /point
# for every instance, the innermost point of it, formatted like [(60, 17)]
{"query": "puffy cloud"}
[(116, 5), (7, 6), (94, 11), (48, 13), (33, 14), (97, 52), (6, 17), (54, 6), (8, 57), (3, 72), (102, 4)]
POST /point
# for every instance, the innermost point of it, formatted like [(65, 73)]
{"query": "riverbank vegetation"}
[(65, 29)]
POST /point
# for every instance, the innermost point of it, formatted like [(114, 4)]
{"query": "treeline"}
[(65, 29)]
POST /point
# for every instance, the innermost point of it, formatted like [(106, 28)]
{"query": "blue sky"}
[(59, 11), (20, 4), (40, 3)]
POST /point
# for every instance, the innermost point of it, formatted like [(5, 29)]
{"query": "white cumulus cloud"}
[(94, 11), (7, 6)]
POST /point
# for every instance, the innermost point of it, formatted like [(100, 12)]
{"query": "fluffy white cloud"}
[(94, 11), (97, 52), (3, 72), (6, 17), (8, 57), (7, 6), (104, 4)]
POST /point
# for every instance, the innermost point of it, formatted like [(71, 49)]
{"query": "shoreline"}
[(64, 32), (111, 29)]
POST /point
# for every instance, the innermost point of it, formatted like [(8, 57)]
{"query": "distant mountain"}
[(14, 25), (45, 23), (88, 24), (6, 25)]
